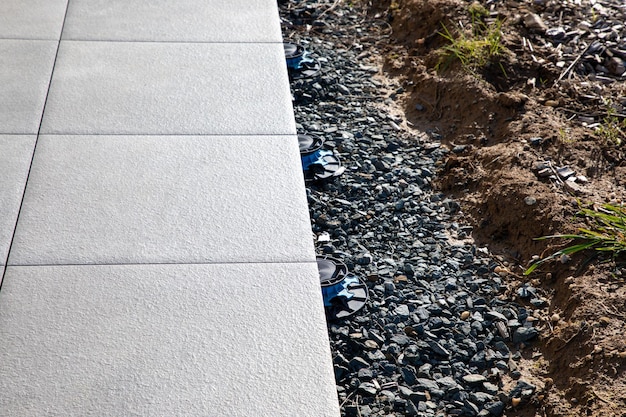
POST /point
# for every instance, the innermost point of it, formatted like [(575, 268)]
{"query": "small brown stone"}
[(511, 99), (616, 66), (465, 315), (372, 277), (500, 270), (534, 21), (401, 278), (410, 331)]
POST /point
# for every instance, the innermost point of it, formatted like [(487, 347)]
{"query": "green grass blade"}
[(532, 268), (577, 248), (606, 233), (560, 237)]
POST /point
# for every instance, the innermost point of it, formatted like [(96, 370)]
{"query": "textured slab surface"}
[(173, 20), (31, 19), (168, 340), (15, 156), (120, 199), (25, 68), (118, 88)]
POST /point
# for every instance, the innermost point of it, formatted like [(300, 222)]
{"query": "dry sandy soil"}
[(542, 100)]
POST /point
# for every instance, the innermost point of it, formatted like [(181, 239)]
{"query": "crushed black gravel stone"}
[(436, 337)]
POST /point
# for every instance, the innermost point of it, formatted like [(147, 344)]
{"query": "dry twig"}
[(330, 9), (569, 68)]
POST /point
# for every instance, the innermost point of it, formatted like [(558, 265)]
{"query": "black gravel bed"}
[(437, 336)]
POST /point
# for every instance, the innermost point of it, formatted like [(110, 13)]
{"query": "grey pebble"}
[(367, 388), (524, 334), (474, 379)]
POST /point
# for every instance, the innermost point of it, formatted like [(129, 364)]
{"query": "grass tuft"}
[(612, 129), (606, 233), (474, 48)]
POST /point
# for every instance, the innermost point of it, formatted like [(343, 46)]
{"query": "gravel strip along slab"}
[(437, 337)]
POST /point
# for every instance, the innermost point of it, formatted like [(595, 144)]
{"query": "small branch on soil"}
[(527, 42), (330, 9), (556, 174), (568, 69), (489, 163), (530, 48), (347, 398), (595, 114), (439, 114), (567, 342), (612, 311), (598, 396), (388, 27)]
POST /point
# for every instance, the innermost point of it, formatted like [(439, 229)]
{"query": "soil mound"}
[(528, 134)]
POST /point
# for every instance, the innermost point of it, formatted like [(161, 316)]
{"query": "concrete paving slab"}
[(32, 19), (169, 88), (16, 152), (25, 69), (164, 199), (173, 20), (164, 340)]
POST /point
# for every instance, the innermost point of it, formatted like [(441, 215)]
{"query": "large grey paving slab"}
[(173, 20), (184, 199), (16, 152), (169, 88), (164, 340), (25, 69), (32, 19)]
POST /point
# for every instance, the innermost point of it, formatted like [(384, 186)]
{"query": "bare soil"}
[(501, 122)]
